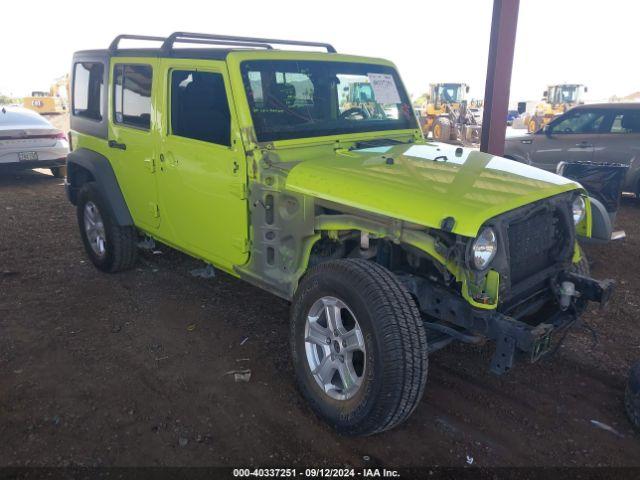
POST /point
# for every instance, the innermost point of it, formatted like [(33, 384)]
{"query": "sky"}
[(572, 41)]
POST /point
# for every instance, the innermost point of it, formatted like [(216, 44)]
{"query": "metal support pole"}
[(500, 63)]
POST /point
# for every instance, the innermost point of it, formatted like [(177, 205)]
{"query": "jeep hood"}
[(426, 183)]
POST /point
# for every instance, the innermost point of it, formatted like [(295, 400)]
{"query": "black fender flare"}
[(84, 165)]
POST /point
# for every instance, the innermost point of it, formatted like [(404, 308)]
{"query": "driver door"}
[(569, 138), (202, 178)]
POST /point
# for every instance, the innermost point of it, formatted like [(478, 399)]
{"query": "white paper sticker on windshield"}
[(384, 88)]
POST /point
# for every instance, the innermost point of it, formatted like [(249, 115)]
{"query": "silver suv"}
[(601, 133)]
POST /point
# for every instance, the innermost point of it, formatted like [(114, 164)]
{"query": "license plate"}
[(27, 156)]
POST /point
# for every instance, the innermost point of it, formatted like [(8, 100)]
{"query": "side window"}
[(88, 90), (132, 95), (626, 122), (579, 121), (254, 93), (199, 107)]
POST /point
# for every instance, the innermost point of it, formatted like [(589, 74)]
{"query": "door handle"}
[(119, 146)]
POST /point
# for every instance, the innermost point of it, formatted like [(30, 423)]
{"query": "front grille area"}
[(534, 244)]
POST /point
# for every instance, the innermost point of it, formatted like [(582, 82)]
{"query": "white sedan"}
[(28, 140)]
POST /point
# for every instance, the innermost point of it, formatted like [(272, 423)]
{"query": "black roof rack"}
[(222, 42), (114, 45), (206, 38)]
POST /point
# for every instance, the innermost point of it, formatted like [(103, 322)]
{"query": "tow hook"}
[(593, 290), (567, 291)]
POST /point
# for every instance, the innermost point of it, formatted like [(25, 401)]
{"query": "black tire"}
[(121, 249), (443, 126), (582, 268), (59, 172), (394, 336), (533, 125), (632, 396)]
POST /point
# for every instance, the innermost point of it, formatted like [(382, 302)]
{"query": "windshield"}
[(566, 94), (449, 92), (295, 99)]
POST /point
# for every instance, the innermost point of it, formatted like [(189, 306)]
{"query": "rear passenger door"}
[(133, 135), (202, 178), (620, 143)]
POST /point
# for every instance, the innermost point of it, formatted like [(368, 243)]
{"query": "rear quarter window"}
[(625, 122), (88, 90)]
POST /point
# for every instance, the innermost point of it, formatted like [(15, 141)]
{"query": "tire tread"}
[(632, 396), (405, 353)]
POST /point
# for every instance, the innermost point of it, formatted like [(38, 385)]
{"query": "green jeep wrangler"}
[(256, 161)]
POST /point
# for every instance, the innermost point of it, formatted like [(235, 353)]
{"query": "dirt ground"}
[(131, 369)]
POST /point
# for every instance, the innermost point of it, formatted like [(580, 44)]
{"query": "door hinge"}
[(155, 209)]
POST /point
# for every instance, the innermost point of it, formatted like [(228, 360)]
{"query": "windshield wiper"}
[(378, 142)]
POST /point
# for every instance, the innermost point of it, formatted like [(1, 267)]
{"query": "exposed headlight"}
[(484, 248), (579, 208)]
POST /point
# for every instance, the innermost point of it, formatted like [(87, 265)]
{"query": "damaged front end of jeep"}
[(517, 282)]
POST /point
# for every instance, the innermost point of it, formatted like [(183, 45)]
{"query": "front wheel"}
[(632, 396), (581, 268), (359, 346), (442, 130)]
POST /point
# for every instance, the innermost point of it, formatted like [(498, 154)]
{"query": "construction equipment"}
[(556, 100), (52, 102), (448, 116), (360, 95)]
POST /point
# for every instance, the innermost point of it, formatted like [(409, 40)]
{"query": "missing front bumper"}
[(512, 336)]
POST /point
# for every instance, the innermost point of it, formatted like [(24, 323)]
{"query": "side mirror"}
[(545, 93), (468, 89), (548, 130), (586, 89)]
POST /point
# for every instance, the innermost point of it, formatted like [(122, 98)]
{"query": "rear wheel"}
[(111, 247), (359, 346)]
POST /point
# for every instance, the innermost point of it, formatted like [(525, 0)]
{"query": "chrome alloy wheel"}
[(335, 348), (94, 228)]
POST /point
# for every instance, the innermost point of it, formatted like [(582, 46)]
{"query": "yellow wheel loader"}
[(556, 100), (447, 115), (52, 102)]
